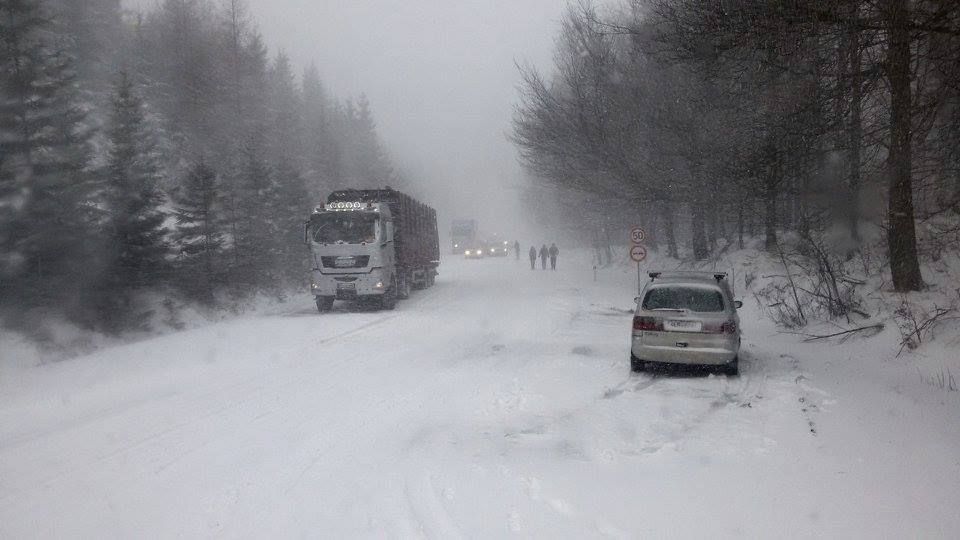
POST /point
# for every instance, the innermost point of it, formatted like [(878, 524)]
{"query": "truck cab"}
[(371, 246), (351, 244)]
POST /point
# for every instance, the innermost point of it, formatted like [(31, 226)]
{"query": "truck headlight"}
[(314, 286), (379, 285)]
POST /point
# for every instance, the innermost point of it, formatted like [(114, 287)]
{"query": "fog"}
[(441, 78)]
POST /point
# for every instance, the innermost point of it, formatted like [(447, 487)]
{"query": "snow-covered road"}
[(497, 403)]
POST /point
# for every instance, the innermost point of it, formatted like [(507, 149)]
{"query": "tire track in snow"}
[(250, 389)]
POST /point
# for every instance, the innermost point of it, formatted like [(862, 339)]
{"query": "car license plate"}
[(674, 325), (346, 286)]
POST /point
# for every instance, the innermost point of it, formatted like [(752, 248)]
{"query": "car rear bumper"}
[(700, 356)]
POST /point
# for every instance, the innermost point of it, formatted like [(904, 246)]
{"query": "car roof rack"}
[(681, 273)]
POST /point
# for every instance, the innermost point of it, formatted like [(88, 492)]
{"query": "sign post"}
[(638, 252)]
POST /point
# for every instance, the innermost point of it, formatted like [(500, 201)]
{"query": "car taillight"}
[(647, 323), (728, 327)]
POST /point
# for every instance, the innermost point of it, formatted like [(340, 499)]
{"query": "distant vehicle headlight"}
[(467, 252)]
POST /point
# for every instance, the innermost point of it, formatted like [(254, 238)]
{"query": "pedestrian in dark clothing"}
[(516, 249), (544, 253), (554, 251), (533, 257)]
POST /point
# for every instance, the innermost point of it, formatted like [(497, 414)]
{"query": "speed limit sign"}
[(637, 235), (638, 253)]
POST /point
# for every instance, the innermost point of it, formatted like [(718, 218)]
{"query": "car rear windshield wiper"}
[(679, 310)]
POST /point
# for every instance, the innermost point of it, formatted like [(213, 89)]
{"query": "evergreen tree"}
[(95, 32), (136, 244), (371, 166), (292, 199), (292, 206), (254, 229), (323, 152), (45, 191), (199, 234)]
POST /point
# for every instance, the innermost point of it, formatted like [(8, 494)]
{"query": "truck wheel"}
[(389, 299), (324, 303), (403, 286)]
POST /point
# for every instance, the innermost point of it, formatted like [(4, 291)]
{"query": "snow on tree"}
[(46, 210), (136, 248), (199, 236)]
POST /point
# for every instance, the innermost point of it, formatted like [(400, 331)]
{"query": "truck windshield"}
[(344, 227)]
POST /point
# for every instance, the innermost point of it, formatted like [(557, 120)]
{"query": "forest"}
[(823, 128), (165, 153)]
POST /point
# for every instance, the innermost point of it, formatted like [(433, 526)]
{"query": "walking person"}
[(516, 248), (554, 251), (533, 257), (544, 253)]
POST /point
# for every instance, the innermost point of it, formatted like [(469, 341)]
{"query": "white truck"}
[(371, 246)]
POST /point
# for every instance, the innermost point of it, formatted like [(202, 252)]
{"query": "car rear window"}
[(698, 299)]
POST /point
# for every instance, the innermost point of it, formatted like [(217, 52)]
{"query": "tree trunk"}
[(650, 225), (771, 183), (697, 219), (856, 133), (710, 207), (901, 233), (667, 209), (740, 223), (607, 249)]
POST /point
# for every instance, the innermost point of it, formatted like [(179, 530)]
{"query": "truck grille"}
[(360, 261)]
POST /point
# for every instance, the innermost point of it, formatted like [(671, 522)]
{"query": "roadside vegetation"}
[(829, 130), (151, 160)]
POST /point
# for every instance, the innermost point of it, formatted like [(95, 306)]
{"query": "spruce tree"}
[(291, 208), (292, 201), (199, 234), (45, 190), (136, 243), (254, 239)]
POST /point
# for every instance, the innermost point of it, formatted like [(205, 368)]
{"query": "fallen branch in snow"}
[(919, 327), (813, 337), (796, 297)]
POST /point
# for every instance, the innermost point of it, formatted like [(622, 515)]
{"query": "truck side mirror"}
[(306, 233), (737, 304)]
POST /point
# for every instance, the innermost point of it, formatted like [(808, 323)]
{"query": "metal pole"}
[(638, 277)]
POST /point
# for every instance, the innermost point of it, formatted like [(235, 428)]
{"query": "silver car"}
[(686, 318)]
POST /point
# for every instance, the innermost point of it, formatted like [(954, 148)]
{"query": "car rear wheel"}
[(637, 365), (732, 369)]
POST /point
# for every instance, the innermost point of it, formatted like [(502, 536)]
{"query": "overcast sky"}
[(440, 76)]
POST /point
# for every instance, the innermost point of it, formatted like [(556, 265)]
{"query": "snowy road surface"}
[(496, 404)]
